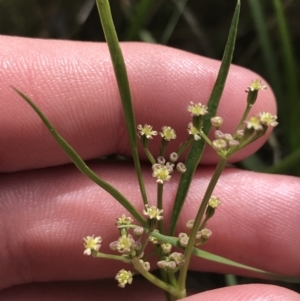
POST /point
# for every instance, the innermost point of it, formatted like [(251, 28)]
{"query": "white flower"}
[(168, 133), (197, 109), (256, 85), (254, 122), (124, 277), (193, 131), (161, 172), (268, 119), (146, 131), (91, 243), (153, 212)]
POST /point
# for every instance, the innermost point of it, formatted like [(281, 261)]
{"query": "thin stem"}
[(110, 256), (207, 140), (160, 188), (189, 249), (149, 155), (156, 281), (145, 243), (163, 146), (240, 125), (185, 145)]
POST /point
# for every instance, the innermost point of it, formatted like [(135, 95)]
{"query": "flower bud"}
[(216, 121)]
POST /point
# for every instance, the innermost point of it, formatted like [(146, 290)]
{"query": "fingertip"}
[(249, 292)]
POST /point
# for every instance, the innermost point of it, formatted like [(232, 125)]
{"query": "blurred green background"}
[(268, 42)]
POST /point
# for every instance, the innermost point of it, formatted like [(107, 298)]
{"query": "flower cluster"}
[(226, 144), (172, 262), (132, 240)]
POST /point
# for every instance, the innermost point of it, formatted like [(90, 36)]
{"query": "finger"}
[(45, 215), (106, 290), (87, 290), (74, 85), (250, 292)]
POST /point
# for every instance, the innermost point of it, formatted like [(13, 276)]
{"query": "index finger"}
[(74, 85)]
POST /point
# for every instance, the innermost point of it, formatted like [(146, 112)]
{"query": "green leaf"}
[(80, 164), (223, 260), (123, 85), (219, 259), (197, 149)]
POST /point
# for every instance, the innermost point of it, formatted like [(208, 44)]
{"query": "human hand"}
[(45, 213)]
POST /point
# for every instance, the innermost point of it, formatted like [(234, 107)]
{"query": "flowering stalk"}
[(252, 91), (189, 249)]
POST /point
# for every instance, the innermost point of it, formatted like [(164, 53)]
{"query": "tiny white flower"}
[(124, 277), (168, 133), (91, 243), (268, 119), (146, 131), (193, 131), (254, 122), (256, 85), (197, 109), (161, 172), (153, 212)]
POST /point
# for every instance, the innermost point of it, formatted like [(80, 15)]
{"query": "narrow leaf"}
[(123, 85), (197, 149), (80, 164), (219, 259)]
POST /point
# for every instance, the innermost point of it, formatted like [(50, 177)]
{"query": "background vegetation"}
[(267, 42)]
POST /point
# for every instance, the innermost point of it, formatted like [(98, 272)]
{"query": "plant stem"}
[(156, 281), (149, 155), (189, 249), (160, 188), (240, 125)]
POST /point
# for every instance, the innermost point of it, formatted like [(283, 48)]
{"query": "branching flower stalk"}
[(170, 262), (173, 254)]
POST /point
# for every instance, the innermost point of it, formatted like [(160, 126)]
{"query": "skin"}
[(45, 213)]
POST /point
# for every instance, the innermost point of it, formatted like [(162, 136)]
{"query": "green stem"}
[(241, 123), (123, 85), (189, 249), (184, 146), (113, 257), (163, 146), (149, 155), (156, 281), (207, 140), (160, 188)]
